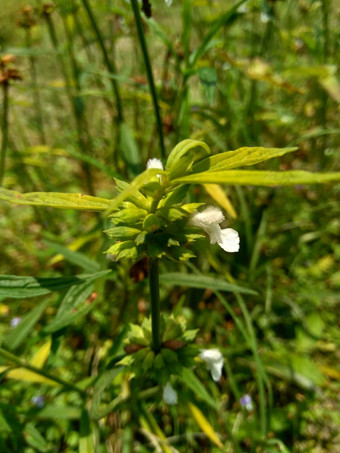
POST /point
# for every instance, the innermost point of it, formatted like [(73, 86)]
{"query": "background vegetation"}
[(77, 110)]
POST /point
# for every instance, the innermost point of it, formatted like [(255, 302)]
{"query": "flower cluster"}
[(154, 221)]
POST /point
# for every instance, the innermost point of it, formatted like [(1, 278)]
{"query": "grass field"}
[(128, 320)]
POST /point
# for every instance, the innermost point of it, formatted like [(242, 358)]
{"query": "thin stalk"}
[(82, 144), (110, 65), (148, 68), (36, 92), (14, 359), (155, 303), (4, 130)]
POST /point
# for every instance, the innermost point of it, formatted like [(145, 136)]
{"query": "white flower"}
[(169, 394), (209, 220), (168, 2), (214, 361), (154, 163)]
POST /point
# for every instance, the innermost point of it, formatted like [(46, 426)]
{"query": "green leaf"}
[(201, 281), (131, 190), (258, 178), (183, 156), (130, 150), (35, 439), (16, 336), (208, 79), (56, 200), (239, 158), (74, 306), (191, 381), (23, 287), (204, 425), (76, 258), (59, 412), (86, 441), (225, 19)]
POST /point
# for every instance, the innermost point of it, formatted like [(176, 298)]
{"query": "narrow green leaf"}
[(77, 258), (258, 178), (183, 156), (208, 79), (21, 287), (59, 412), (190, 379), (225, 19), (86, 441), (56, 200), (241, 157), (130, 150), (18, 335), (35, 439), (201, 281), (132, 188), (73, 306)]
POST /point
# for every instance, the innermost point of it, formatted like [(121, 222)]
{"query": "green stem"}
[(108, 62), (14, 359), (155, 304), (148, 68), (4, 130), (36, 92)]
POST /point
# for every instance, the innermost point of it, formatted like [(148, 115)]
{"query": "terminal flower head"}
[(169, 394), (209, 220), (214, 361)]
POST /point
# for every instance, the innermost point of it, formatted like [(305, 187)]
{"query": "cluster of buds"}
[(176, 349), (8, 71)]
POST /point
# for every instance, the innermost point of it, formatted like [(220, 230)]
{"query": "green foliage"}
[(88, 93)]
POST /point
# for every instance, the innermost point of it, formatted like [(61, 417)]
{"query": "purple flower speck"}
[(247, 402), (38, 400)]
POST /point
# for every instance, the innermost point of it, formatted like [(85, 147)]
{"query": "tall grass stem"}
[(148, 68), (4, 130)]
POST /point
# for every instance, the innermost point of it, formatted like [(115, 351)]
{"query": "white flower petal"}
[(208, 216), (154, 163), (214, 361), (229, 240), (169, 394)]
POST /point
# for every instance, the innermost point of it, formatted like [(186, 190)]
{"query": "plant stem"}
[(108, 62), (14, 359), (4, 130), (148, 68), (155, 305)]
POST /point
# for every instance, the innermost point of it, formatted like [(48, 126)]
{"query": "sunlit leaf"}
[(217, 193), (258, 178), (56, 200), (239, 158), (204, 424)]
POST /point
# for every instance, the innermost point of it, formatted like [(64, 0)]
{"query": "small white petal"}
[(154, 163), (229, 240), (169, 394), (214, 361), (208, 216), (168, 2)]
